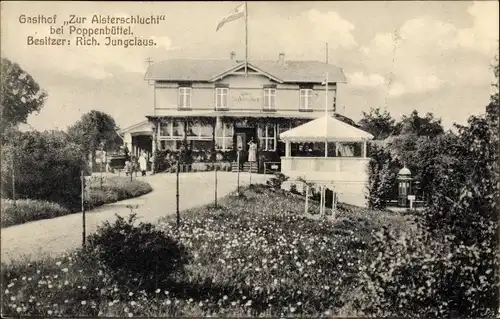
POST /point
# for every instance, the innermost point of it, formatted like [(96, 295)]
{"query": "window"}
[(184, 97), (199, 132), (270, 99), (221, 98), (305, 99), (224, 136), (172, 130), (171, 134), (268, 137), (168, 145)]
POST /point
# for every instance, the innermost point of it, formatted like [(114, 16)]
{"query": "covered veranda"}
[(328, 152)]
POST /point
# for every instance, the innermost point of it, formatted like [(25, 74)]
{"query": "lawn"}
[(254, 254), (113, 189)]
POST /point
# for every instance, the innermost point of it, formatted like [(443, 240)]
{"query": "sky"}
[(430, 56)]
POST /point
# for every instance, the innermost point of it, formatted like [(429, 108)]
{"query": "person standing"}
[(252, 151), (143, 164)]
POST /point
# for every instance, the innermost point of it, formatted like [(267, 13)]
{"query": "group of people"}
[(141, 162)]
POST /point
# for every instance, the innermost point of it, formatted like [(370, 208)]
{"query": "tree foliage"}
[(380, 124), (421, 126), (21, 94), (92, 129), (46, 166), (452, 267), (382, 172)]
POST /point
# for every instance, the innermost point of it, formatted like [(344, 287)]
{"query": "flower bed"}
[(27, 210), (202, 167), (254, 254)]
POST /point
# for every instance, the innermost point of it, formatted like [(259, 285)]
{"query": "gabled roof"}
[(250, 68), (325, 128), (206, 70), (138, 127)]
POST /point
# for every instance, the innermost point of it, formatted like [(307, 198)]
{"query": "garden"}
[(253, 254)]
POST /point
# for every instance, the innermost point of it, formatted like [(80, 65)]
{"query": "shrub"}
[(381, 178), (293, 189), (47, 167), (139, 252), (27, 210), (277, 180), (420, 276), (114, 189)]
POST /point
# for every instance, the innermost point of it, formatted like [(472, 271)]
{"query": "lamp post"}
[(404, 186)]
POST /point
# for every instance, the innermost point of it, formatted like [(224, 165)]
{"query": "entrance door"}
[(241, 141)]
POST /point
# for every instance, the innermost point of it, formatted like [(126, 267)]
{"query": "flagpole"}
[(326, 104), (246, 38)]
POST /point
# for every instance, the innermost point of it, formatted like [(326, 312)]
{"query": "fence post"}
[(13, 179), (177, 194), (215, 195), (307, 199), (83, 208), (251, 173), (101, 175), (238, 171)]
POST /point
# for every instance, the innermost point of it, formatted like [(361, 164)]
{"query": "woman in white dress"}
[(143, 164), (252, 151)]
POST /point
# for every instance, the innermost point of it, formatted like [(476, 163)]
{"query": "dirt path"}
[(54, 236)]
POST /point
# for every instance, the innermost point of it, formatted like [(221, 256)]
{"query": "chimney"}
[(233, 55), (282, 58)]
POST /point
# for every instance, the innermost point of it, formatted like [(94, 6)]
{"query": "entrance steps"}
[(246, 167)]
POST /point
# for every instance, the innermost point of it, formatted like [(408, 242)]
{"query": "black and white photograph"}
[(250, 159)]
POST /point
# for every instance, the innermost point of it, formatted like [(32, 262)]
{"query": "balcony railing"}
[(333, 168)]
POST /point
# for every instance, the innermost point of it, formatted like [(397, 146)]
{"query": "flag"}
[(237, 13)]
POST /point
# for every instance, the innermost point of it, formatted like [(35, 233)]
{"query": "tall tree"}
[(93, 129), (493, 108), (380, 124), (21, 95), (421, 126)]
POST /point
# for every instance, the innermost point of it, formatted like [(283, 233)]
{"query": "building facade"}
[(221, 105)]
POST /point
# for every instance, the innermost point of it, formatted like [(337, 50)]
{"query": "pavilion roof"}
[(327, 129)]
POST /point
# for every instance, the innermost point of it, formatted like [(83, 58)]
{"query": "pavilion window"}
[(184, 97), (224, 136), (268, 137), (352, 149)]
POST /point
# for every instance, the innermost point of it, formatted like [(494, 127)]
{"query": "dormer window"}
[(184, 97)]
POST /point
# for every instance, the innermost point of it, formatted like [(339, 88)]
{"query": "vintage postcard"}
[(250, 158)]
